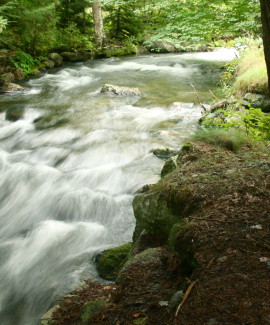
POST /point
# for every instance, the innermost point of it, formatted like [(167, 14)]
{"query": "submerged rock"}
[(120, 91), (14, 114), (13, 87), (45, 122), (164, 153)]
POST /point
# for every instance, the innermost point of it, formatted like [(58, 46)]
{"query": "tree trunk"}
[(265, 16), (98, 23)]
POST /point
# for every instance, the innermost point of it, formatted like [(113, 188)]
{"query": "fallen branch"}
[(204, 108), (187, 293)]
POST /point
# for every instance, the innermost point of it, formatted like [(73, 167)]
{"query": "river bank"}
[(207, 263)]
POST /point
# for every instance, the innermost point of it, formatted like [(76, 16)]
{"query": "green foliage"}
[(123, 18), (3, 24), (24, 61), (253, 122), (232, 140), (71, 39), (194, 23)]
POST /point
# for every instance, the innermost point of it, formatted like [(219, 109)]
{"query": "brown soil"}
[(230, 231)]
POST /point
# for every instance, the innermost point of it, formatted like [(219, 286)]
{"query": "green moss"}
[(169, 166), (90, 309), (111, 261), (141, 321), (119, 50), (180, 242), (186, 147)]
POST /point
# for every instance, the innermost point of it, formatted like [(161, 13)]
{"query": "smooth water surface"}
[(69, 167)]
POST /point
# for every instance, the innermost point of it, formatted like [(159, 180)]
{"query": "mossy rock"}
[(186, 154), (164, 153), (158, 210), (169, 166), (181, 244), (152, 256), (91, 308), (111, 261), (47, 318), (116, 50)]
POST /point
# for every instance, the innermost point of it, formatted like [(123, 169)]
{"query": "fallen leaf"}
[(259, 227), (264, 259)]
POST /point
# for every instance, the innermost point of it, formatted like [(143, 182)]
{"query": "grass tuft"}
[(252, 74), (232, 140)]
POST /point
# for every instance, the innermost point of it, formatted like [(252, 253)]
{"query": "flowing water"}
[(69, 167)]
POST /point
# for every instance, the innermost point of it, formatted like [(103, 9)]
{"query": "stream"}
[(70, 165)]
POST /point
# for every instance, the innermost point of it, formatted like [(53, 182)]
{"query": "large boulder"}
[(56, 58), (13, 87), (161, 47), (49, 64), (6, 79), (258, 101), (120, 91), (75, 56), (158, 209)]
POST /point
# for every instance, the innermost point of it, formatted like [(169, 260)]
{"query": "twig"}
[(213, 94), (258, 242), (196, 93), (191, 286), (187, 293), (224, 221)]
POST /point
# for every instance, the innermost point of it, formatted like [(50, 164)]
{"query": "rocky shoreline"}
[(200, 251)]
